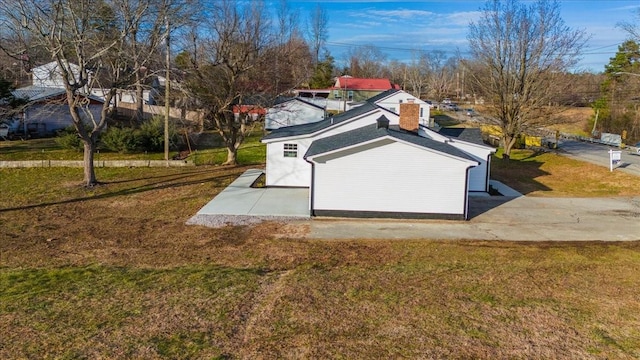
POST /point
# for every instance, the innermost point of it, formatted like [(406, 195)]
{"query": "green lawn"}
[(208, 151)]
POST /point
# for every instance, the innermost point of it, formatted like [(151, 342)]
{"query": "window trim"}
[(290, 150)]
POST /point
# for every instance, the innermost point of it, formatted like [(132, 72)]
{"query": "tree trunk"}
[(508, 142), (139, 100), (232, 156), (89, 172)]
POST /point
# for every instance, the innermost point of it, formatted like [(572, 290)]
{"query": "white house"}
[(293, 111), (287, 145), (48, 110), (470, 141), (370, 161), (50, 75), (392, 98)]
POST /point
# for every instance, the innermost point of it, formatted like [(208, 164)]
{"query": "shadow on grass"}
[(445, 120), (163, 182), (518, 174)]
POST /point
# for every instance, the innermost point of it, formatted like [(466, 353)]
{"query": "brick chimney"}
[(409, 116)]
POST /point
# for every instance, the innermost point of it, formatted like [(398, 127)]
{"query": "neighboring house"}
[(127, 96), (359, 89), (293, 111), (48, 110), (50, 76), (371, 162), (255, 111), (392, 98), (349, 91), (312, 93)]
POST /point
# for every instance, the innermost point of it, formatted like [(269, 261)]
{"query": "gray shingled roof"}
[(470, 135), (311, 128), (382, 95), (371, 132), (38, 93), (282, 100)]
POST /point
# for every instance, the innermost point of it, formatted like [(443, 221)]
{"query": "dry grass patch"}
[(114, 272), (572, 120), (552, 175)]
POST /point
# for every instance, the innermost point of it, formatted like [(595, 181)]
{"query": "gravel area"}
[(218, 221)]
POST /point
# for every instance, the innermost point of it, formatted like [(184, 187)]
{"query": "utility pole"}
[(167, 89)]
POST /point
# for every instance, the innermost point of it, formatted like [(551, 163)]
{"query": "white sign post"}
[(614, 158)]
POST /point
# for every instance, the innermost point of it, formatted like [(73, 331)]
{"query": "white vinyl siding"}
[(392, 102), (392, 177), (478, 176), (287, 171)]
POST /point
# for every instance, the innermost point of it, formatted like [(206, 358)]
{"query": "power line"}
[(342, 44)]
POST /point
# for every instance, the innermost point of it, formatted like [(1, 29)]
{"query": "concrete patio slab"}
[(239, 198)]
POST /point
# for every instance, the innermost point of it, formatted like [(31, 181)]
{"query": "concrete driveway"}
[(514, 219), (517, 218)]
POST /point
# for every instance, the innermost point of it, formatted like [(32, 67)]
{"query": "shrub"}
[(122, 140), (68, 138), (152, 135)]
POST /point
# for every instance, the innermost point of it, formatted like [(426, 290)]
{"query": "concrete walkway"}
[(240, 199)]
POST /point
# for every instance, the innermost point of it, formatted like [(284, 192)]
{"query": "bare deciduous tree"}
[(440, 74), (519, 49), (69, 31), (317, 31), (367, 61), (86, 39), (238, 49)]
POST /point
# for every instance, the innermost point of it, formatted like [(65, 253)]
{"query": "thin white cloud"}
[(623, 8), (400, 13), (463, 18)]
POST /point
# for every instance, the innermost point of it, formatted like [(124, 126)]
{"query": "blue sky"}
[(398, 27)]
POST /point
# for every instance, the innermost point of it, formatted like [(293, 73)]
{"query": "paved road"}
[(599, 154)]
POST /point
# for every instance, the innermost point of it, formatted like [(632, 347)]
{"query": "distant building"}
[(348, 92)]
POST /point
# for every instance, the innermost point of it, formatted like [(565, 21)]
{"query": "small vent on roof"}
[(382, 122)]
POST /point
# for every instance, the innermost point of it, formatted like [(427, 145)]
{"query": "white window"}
[(290, 150), (350, 94), (421, 111)]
